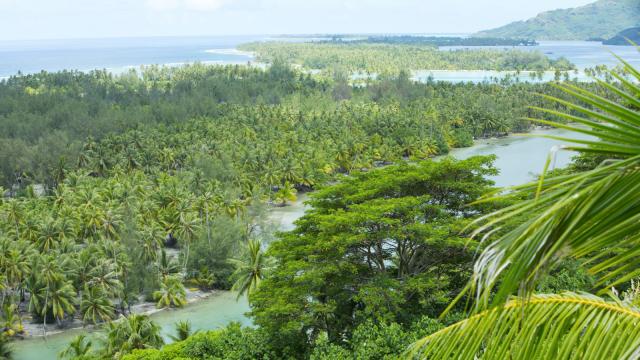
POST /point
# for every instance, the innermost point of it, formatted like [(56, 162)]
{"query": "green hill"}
[(624, 36), (602, 19)]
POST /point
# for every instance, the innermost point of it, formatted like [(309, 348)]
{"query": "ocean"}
[(121, 54)]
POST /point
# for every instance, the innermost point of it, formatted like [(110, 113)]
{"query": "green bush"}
[(232, 342)]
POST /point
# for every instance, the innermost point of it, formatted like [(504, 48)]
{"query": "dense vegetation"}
[(253, 123), (343, 285), (602, 19), (123, 189), (184, 158), (368, 270), (391, 58), (380, 249), (383, 246)]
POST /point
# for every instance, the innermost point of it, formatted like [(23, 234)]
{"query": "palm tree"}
[(592, 214), (95, 306), (565, 326), (15, 264), (59, 297), (12, 321), (251, 269), (286, 193), (105, 277), (15, 214), (5, 349), (205, 204), (46, 278), (234, 208), (150, 242), (79, 347), (111, 223), (183, 331), (48, 235), (166, 266), (129, 333), (171, 293), (186, 231)]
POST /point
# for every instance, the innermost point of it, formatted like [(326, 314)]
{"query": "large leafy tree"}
[(383, 244), (591, 214)]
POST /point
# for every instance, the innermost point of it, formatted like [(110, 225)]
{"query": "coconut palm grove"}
[(317, 184)]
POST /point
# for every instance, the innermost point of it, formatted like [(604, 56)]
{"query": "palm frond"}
[(583, 215), (567, 326)]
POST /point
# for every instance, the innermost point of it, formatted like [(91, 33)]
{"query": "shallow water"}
[(284, 217), (216, 311), (478, 76), (519, 158), (583, 54)]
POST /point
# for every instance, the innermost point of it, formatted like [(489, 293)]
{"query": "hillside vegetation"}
[(602, 19)]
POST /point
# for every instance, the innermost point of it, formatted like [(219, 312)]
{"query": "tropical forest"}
[(317, 196)]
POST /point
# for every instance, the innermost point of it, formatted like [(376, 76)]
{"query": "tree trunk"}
[(44, 313), (208, 227)]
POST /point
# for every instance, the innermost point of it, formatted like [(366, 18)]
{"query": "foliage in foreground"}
[(566, 326), (232, 342), (593, 215), (370, 341)]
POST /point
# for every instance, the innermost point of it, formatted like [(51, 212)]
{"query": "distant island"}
[(623, 37), (445, 41), (602, 19), (412, 39), (385, 58)]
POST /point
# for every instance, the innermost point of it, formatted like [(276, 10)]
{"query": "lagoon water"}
[(583, 54), (519, 158), (213, 312)]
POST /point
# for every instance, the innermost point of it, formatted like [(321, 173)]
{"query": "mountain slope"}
[(601, 19)]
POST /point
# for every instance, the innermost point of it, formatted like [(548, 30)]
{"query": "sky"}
[(66, 19)]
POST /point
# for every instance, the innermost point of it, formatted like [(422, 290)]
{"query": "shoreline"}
[(34, 330)]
